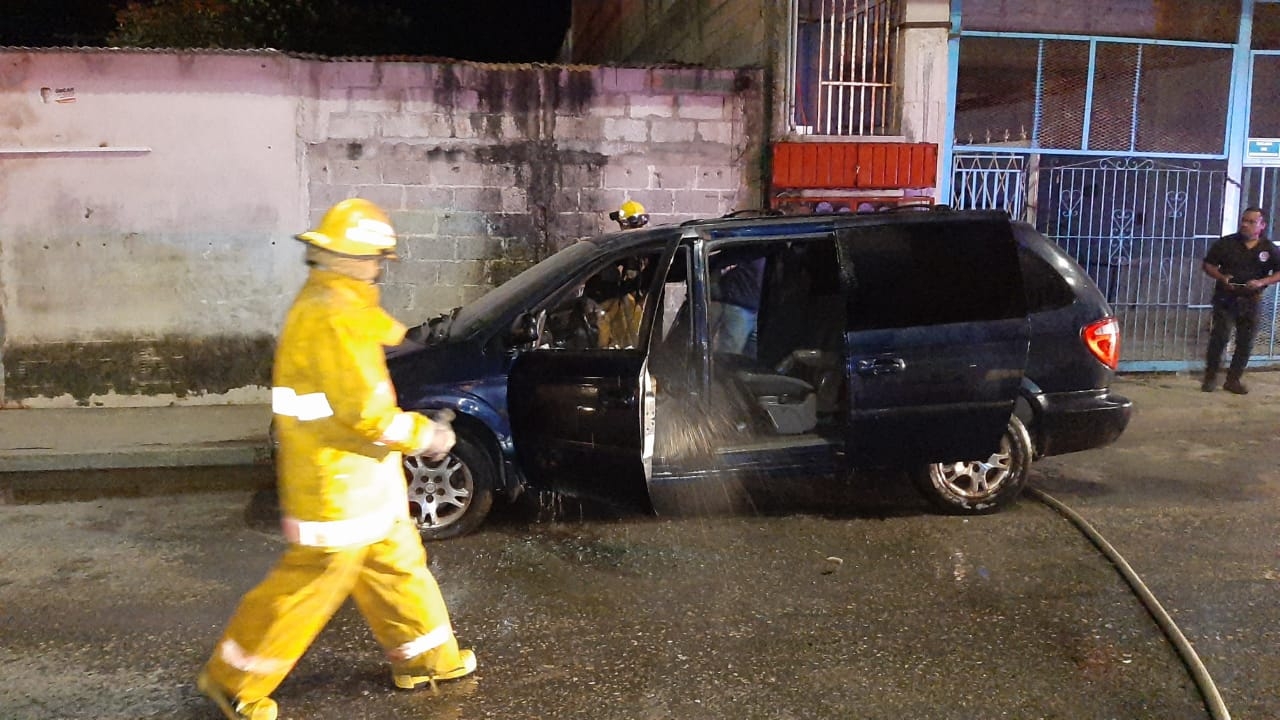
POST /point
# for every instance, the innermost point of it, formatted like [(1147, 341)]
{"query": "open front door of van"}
[(583, 423)]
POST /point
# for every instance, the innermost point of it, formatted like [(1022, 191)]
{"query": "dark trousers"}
[(1240, 313)]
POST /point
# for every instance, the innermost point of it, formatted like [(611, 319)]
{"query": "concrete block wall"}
[(145, 223), (486, 169), (756, 33)]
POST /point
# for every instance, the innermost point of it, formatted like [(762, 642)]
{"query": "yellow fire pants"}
[(277, 620)]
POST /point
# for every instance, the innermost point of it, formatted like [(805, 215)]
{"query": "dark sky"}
[(483, 30), (41, 23), (499, 30)]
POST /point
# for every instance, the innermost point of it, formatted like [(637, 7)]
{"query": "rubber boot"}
[(233, 709), (429, 668)]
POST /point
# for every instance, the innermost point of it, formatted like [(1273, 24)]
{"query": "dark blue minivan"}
[(650, 368)]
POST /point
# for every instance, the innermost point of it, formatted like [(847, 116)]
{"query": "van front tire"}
[(453, 496)]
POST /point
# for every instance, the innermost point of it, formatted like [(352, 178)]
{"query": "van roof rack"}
[(753, 213), (915, 207)]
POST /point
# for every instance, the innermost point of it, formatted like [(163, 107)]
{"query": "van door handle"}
[(617, 399), (881, 366)]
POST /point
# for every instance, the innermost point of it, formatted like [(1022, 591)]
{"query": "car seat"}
[(822, 371), (790, 403)]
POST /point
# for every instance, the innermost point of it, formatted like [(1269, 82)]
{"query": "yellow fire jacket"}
[(620, 326), (340, 430)]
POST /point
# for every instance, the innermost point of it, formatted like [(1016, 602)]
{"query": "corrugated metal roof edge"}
[(351, 58)]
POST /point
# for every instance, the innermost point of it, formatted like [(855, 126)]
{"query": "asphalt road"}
[(1191, 495), (109, 605)]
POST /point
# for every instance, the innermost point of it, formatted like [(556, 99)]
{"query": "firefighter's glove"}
[(442, 437)]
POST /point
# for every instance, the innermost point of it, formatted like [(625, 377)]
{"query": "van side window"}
[(932, 273), (672, 349), (620, 290)]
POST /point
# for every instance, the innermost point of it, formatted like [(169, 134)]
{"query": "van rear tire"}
[(977, 487)]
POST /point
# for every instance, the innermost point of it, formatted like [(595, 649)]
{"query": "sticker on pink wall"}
[(58, 95)]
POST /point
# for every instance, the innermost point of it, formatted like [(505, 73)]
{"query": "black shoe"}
[(1235, 386), (1208, 386)]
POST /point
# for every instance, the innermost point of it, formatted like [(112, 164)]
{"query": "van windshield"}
[(523, 290)]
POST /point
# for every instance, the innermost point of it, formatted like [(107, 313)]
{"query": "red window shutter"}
[(854, 166)]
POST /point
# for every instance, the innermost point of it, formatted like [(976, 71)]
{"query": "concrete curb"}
[(229, 454), (61, 439)]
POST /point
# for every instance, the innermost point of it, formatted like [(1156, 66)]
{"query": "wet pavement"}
[(1191, 496), (872, 608)]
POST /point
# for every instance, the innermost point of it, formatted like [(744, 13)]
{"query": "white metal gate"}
[(1139, 227)]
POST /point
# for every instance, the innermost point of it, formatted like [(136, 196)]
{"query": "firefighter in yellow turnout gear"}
[(342, 489)]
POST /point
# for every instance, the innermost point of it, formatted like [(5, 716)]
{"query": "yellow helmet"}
[(354, 227), (630, 215)]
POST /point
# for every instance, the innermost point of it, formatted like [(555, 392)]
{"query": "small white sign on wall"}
[(61, 96), (1262, 151)]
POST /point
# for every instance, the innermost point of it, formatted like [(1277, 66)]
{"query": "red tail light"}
[(1102, 337)]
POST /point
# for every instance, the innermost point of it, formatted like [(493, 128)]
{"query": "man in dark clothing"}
[(1242, 264), (738, 293)]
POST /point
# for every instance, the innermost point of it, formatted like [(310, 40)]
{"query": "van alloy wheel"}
[(451, 496), (972, 487)]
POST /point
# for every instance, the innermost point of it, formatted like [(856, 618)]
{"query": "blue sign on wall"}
[(1263, 151)]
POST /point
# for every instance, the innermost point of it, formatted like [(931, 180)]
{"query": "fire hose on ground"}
[(1212, 699)]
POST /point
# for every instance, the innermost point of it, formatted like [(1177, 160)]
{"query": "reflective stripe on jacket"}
[(341, 432), (361, 530)]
